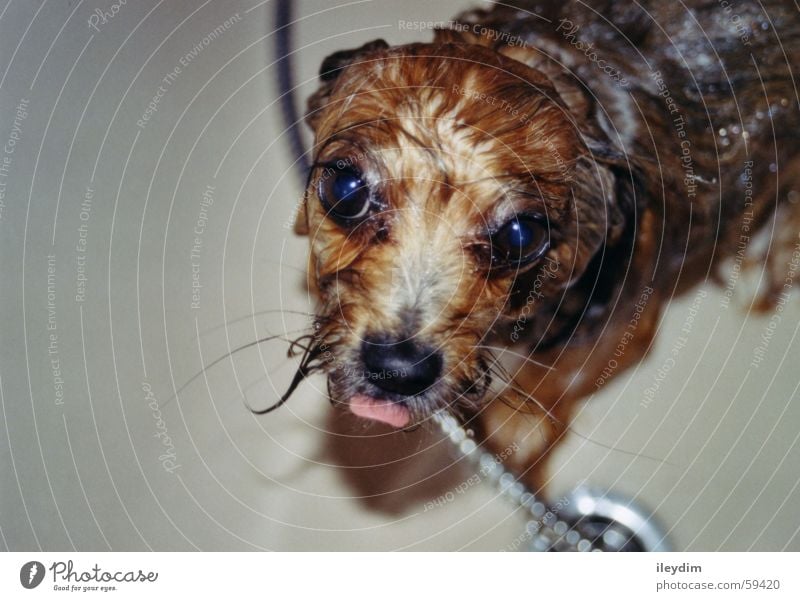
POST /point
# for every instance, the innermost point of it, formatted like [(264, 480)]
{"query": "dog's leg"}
[(533, 415), (575, 371)]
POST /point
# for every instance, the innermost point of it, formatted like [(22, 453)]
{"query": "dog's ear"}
[(448, 35), (622, 265), (330, 70), (614, 187), (301, 219), (333, 64)]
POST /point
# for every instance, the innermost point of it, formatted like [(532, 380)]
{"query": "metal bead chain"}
[(547, 532)]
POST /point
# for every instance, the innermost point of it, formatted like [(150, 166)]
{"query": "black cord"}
[(286, 87)]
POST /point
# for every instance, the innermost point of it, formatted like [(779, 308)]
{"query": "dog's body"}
[(538, 178)]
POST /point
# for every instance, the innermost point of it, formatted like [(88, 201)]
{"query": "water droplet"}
[(736, 130), (773, 167), (723, 132), (793, 196), (573, 537), (468, 446)]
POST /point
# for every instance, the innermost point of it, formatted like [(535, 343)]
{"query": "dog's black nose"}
[(400, 367)]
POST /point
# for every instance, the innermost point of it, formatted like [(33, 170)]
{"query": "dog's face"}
[(448, 183)]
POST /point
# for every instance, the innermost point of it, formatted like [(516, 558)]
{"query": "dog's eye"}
[(345, 195), (521, 240)]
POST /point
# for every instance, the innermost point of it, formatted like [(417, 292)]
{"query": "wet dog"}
[(536, 180)]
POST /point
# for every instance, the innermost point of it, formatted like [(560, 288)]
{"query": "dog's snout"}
[(401, 367)]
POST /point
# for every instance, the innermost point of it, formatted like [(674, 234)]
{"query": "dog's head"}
[(453, 196)]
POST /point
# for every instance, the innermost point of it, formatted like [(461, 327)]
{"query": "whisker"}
[(287, 266), (509, 382), (305, 369), (257, 314), (297, 343), (291, 342), (623, 451)]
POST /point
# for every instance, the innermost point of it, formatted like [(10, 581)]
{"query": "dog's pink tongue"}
[(382, 411)]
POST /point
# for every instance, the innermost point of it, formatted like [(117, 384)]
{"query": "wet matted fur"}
[(651, 139)]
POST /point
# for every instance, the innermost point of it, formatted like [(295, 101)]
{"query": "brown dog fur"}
[(508, 114)]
